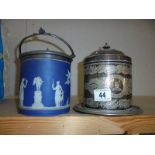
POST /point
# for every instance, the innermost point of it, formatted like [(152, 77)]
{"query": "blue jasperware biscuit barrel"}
[(44, 80)]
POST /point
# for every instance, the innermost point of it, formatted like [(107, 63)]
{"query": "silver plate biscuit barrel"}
[(108, 83), (45, 78), (108, 79)]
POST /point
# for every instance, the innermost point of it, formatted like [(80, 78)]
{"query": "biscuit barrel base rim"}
[(132, 110), (43, 112)]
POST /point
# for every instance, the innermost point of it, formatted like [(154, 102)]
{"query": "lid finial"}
[(106, 46), (41, 31)]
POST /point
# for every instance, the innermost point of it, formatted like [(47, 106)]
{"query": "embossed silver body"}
[(108, 80)]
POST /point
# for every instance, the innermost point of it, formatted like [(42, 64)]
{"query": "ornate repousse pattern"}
[(116, 76)]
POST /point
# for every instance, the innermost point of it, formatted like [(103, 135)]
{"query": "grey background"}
[(136, 38)]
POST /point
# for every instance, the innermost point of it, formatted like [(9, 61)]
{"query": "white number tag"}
[(102, 94)]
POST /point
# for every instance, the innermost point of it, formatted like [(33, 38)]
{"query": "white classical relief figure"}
[(37, 81), (59, 93), (68, 75), (23, 85)]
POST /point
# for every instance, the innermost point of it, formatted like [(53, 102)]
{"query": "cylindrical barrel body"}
[(108, 80), (44, 85), (108, 85), (45, 79)]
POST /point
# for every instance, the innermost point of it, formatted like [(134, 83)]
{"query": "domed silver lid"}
[(107, 54)]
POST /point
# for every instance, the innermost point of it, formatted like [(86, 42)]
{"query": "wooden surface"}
[(76, 123)]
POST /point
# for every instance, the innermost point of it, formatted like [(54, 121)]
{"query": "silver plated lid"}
[(105, 53), (45, 54)]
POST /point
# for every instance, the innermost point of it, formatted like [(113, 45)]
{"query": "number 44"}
[(102, 94)]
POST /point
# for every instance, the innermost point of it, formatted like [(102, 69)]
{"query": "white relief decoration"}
[(68, 75), (37, 81), (59, 93), (23, 85)]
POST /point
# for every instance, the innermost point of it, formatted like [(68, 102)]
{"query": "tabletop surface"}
[(76, 123)]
